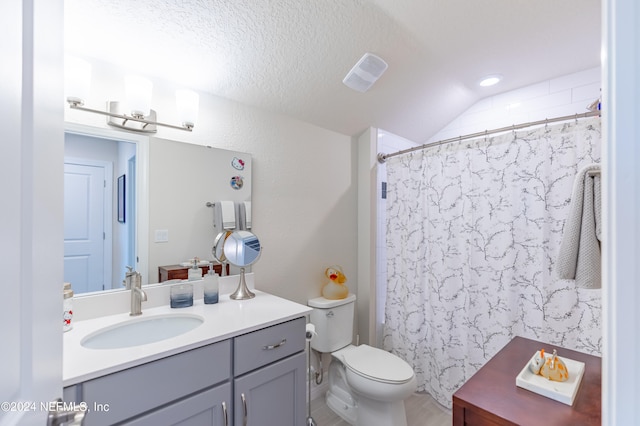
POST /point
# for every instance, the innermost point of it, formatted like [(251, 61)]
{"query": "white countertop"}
[(228, 318)]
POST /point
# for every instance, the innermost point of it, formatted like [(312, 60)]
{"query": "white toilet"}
[(367, 386)]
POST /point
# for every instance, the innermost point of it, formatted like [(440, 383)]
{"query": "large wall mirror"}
[(141, 201)]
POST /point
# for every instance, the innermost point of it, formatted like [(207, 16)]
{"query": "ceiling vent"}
[(368, 69)]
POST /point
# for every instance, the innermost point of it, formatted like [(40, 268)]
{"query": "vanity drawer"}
[(262, 347), (136, 390)]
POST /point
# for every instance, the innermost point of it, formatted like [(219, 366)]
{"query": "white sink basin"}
[(141, 331)]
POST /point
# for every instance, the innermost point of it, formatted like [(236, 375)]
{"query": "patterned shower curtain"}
[(473, 232)]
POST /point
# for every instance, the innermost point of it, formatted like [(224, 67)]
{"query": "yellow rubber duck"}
[(335, 288)]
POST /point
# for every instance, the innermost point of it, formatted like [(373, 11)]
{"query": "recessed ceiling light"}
[(490, 80)]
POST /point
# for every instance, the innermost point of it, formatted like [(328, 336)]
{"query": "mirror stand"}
[(241, 249), (242, 292)]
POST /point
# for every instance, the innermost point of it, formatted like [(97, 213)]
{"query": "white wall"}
[(387, 143), (367, 151), (304, 182), (184, 178), (565, 95)]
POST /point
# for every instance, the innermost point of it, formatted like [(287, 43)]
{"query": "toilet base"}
[(367, 412), (338, 397), (376, 413), (357, 409), (346, 408)]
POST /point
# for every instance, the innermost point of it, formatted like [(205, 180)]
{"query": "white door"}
[(31, 215), (84, 226)]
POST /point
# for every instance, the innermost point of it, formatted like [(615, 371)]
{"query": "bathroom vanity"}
[(244, 365), (491, 397)]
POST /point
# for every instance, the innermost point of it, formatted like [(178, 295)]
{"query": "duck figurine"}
[(335, 288), (537, 362), (551, 367)]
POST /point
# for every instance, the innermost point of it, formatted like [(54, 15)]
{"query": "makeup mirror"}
[(240, 249)]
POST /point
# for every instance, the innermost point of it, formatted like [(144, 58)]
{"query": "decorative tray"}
[(564, 392)]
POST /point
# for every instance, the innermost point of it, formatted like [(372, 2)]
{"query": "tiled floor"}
[(421, 409)]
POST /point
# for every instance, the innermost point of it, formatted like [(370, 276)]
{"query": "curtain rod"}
[(383, 157)]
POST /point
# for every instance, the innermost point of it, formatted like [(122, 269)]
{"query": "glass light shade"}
[(138, 95), (77, 79), (187, 103)]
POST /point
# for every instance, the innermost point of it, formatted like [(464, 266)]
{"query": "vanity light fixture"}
[(135, 114)]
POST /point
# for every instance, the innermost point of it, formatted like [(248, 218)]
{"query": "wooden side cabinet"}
[(491, 397), (179, 272)]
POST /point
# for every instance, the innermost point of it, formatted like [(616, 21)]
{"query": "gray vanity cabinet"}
[(272, 395), (258, 377), (269, 376), (197, 380)]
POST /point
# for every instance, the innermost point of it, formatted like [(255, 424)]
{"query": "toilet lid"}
[(377, 365)]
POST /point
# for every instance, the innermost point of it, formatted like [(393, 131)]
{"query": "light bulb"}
[(138, 92), (187, 103), (77, 76)]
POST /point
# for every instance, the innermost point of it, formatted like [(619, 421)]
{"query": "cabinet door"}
[(137, 390), (208, 408), (272, 395)]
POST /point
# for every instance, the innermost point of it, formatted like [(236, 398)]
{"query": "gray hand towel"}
[(579, 256)]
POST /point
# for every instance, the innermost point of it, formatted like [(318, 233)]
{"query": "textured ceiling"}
[(290, 56)]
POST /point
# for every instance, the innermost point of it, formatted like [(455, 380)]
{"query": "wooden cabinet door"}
[(272, 395)]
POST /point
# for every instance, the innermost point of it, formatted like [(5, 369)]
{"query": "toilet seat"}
[(376, 364)]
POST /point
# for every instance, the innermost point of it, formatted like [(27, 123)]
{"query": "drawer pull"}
[(277, 345), (225, 414), (244, 409)]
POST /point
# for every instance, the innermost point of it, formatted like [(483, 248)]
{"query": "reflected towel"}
[(579, 256), (224, 216)]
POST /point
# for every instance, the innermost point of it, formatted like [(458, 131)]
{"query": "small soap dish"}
[(564, 392)]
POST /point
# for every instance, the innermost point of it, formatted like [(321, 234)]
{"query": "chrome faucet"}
[(134, 279)]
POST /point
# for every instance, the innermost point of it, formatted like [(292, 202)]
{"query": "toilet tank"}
[(333, 320)]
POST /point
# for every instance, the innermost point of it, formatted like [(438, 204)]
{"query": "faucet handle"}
[(128, 276), (136, 279)]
